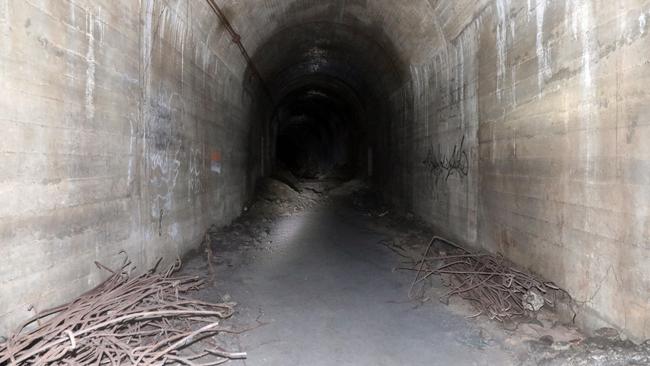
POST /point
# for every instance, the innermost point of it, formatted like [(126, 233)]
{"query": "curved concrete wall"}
[(112, 113), (539, 110), (514, 126)]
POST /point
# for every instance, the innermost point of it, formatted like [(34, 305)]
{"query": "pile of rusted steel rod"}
[(490, 283), (141, 320)]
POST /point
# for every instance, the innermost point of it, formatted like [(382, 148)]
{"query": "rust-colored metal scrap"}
[(142, 320)]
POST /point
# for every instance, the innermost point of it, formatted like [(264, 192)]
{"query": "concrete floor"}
[(330, 297)]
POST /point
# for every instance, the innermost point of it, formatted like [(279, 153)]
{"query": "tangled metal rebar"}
[(490, 283), (142, 320)]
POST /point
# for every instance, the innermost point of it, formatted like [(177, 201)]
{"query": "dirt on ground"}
[(542, 339)]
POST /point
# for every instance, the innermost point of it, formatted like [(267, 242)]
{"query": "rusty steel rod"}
[(143, 320), (236, 39), (492, 284)]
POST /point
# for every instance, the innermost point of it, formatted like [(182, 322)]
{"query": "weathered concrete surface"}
[(546, 102), (111, 112), (325, 291), (517, 126), (543, 103)]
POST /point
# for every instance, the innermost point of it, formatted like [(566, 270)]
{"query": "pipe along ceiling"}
[(322, 79)]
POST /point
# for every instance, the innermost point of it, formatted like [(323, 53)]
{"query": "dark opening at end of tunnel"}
[(328, 109), (317, 134)]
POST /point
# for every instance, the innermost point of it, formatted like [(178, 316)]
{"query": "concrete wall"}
[(547, 107), (111, 112), (516, 126)]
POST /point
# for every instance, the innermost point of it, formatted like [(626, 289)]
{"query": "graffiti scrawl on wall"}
[(442, 165)]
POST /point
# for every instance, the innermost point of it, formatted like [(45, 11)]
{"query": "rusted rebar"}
[(236, 39), (143, 320), (491, 283)]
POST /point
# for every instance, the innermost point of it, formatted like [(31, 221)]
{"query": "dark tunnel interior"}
[(326, 98), (325, 171), (317, 134)]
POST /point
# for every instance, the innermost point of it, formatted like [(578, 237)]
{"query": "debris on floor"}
[(252, 230), (593, 351), (541, 338), (275, 197), (317, 283), (146, 319), (272, 189), (544, 337), (369, 202), (285, 176), (491, 283)]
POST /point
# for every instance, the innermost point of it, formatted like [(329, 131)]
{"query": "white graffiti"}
[(503, 22), (543, 60), (642, 23), (164, 168), (195, 182)]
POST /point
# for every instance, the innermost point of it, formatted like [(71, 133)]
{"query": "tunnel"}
[(325, 91), (298, 137)]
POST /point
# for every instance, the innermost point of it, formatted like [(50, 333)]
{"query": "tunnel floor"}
[(323, 292), (315, 285)]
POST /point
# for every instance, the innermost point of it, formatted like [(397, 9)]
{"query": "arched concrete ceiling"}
[(329, 49), (360, 40), (408, 25)]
